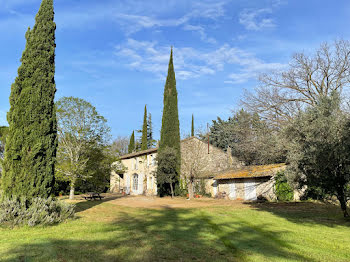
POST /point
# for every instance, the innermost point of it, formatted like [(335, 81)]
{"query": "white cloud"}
[(201, 31), (190, 63), (133, 23), (252, 71), (256, 19)]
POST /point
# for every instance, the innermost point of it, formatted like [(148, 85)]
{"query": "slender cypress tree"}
[(150, 140), (131, 147), (144, 145), (30, 156), (192, 126), (170, 132)]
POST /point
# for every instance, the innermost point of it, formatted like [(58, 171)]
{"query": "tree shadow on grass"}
[(305, 212), (87, 204), (162, 235)]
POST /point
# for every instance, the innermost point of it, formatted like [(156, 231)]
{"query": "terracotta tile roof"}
[(139, 153), (151, 150), (250, 172)]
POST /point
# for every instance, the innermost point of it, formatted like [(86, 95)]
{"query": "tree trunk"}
[(72, 189), (172, 191), (190, 189), (342, 200)]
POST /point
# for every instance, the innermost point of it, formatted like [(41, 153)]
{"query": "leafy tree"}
[(98, 168), (81, 130), (120, 145), (193, 163), (144, 141), (319, 151), (192, 126), (251, 139), (131, 147), (166, 172), (30, 151), (282, 94), (170, 131)]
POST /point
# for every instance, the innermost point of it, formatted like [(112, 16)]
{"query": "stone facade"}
[(248, 188), (195, 154), (220, 172), (139, 177)]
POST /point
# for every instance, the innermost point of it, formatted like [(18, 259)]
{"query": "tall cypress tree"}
[(144, 145), (150, 140), (192, 126), (170, 132), (131, 147), (30, 156)]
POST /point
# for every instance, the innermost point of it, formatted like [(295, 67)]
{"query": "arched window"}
[(135, 181)]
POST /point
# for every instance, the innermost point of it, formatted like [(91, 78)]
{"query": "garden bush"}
[(38, 211), (284, 191)]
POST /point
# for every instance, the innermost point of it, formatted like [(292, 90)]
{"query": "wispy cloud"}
[(256, 19), (133, 23), (209, 10), (201, 31), (189, 62), (252, 70)]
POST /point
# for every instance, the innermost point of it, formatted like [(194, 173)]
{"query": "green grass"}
[(260, 232)]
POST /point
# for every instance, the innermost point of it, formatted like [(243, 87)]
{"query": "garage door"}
[(232, 194), (249, 190)]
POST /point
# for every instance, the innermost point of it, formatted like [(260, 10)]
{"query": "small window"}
[(136, 163)]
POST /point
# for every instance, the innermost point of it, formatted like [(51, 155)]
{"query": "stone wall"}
[(194, 154), (264, 187)]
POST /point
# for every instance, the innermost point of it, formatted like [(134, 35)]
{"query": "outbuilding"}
[(248, 183)]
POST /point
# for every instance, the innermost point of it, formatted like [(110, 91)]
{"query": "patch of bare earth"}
[(177, 202)]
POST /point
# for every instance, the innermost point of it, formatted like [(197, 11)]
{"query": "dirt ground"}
[(168, 202)]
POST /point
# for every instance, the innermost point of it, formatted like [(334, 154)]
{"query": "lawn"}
[(111, 230)]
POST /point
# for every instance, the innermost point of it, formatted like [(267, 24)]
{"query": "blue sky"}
[(114, 53)]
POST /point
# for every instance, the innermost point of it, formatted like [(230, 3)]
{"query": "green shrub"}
[(284, 191), (38, 211)]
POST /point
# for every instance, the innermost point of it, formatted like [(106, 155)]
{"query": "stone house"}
[(139, 177), (218, 170)]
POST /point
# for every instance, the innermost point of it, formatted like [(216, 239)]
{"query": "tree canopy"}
[(170, 131), (166, 172), (250, 138), (282, 94), (131, 146), (81, 131), (144, 140), (319, 148), (30, 150)]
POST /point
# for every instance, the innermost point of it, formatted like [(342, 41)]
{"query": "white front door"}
[(249, 190), (232, 194)]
